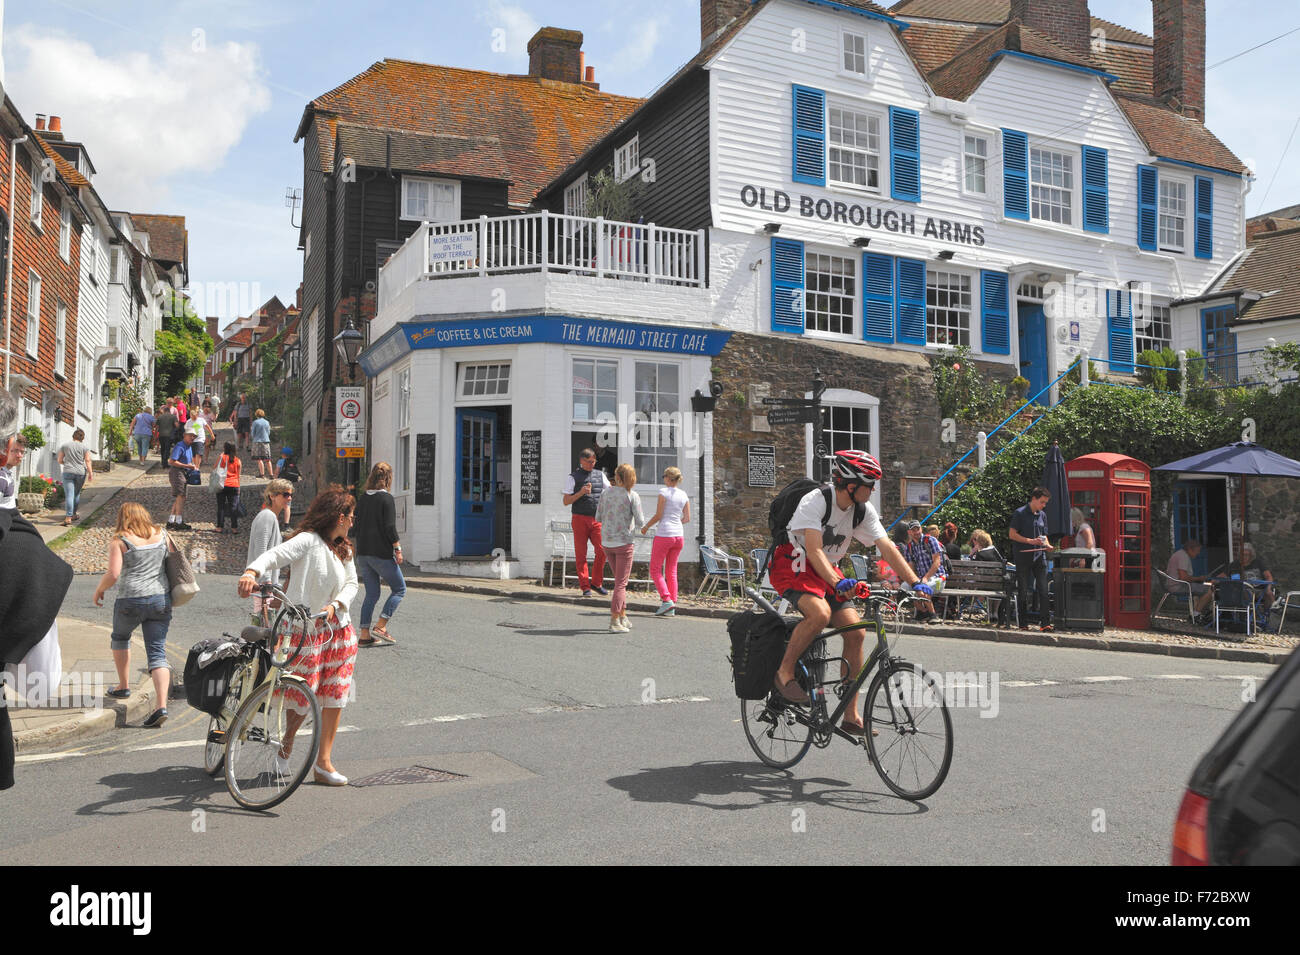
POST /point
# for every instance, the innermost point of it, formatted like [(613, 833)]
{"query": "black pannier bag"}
[(758, 642), (206, 686)]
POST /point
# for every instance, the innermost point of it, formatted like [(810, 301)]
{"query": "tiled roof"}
[(934, 44), (1175, 136), (168, 237), (1130, 67), (961, 75), (1271, 265), (993, 12), (543, 124), (65, 168), (417, 152)]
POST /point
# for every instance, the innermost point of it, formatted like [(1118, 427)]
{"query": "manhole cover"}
[(411, 774), (519, 626)]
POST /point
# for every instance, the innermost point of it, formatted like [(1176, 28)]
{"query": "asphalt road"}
[(576, 745)]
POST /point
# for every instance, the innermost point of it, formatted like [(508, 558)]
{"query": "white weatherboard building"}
[(845, 185)]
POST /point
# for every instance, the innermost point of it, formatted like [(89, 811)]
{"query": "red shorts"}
[(786, 580)]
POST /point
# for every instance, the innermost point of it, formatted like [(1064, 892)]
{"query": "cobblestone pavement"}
[(210, 552)]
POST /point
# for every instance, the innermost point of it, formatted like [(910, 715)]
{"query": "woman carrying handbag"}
[(137, 565)]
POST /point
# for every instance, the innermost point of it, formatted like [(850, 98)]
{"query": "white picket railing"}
[(545, 242)]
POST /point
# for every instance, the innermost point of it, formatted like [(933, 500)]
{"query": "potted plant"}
[(1019, 386), (112, 433), (31, 493)]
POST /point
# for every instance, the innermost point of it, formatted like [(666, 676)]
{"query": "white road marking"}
[(445, 719), (1017, 683), (1176, 676), (1239, 676), (45, 757), (1103, 679), (180, 744)]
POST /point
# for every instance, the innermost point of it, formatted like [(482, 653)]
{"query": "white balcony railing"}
[(545, 242)]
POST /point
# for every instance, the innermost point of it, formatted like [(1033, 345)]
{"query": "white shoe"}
[(618, 627), (329, 778), (627, 624), (665, 608), (281, 765)]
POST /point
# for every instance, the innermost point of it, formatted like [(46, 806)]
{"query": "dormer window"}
[(627, 159), (853, 53)]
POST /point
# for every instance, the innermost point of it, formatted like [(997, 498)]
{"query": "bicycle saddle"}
[(255, 634)]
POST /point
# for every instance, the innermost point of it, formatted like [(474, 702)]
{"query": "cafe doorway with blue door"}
[(1031, 335), (1201, 511), (483, 481)]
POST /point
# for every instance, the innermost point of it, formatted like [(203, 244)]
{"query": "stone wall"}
[(1273, 518), (752, 365)]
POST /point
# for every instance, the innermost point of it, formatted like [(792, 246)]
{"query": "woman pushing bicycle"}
[(803, 568)]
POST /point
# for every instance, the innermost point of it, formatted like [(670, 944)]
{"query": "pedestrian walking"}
[(167, 425), (228, 496), (673, 511), (1029, 548), (323, 578), (260, 431), (182, 409), (240, 418), (619, 515), (181, 465), (142, 432), (379, 553), (203, 434), (76, 467), (582, 490), (264, 534), (137, 554)]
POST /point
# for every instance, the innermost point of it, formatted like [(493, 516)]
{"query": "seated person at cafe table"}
[(1180, 568), (1250, 566)]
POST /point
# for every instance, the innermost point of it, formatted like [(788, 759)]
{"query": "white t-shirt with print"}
[(838, 532)]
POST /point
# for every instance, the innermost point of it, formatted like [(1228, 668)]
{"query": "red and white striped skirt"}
[(326, 663)]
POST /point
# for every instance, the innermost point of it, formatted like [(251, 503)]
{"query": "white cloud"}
[(145, 116), (515, 23), (640, 49)]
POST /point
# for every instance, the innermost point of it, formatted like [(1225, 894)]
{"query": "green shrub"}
[(112, 434), (34, 437), (961, 390)]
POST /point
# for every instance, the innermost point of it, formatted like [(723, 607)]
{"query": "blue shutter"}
[(1148, 206), (878, 303), (1096, 190), (911, 301), (995, 317), (787, 286), (904, 154), (1015, 174), (1119, 329), (809, 136), (1204, 217)]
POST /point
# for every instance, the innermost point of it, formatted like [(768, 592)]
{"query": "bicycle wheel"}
[(214, 750), (773, 731), (914, 749), (279, 714)]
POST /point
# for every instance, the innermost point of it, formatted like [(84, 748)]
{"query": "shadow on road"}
[(710, 784), (172, 788)]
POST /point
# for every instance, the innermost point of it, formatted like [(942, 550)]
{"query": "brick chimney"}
[(1178, 64), (1065, 21), (556, 54), (40, 122), (716, 14)]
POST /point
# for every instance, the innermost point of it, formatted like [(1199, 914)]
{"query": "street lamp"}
[(348, 343)]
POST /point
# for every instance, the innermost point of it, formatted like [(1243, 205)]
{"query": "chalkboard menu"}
[(425, 445), (530, 467)]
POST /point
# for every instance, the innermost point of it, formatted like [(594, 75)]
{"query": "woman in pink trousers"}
[(674, 510)]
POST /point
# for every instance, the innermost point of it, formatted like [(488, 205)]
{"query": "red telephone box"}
[(1114, 493)]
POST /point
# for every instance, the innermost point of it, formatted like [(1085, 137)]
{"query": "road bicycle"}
[(904, 705), (266, 735)]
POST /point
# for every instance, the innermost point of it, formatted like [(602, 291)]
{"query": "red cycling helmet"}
[(855, 466)]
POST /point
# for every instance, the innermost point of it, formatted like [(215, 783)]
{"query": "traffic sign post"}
[(804, 411), (787, 414)]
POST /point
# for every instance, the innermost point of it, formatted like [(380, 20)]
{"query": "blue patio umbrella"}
[(1240, 457), (1058, 508)]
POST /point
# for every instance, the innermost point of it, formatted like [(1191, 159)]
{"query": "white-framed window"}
[(594, 389), (309, 340), (1030, 291), (1153, 332), (627, 159), (850, 420), (853, 141), (430, 200), (33, 313), (306, 247), (38, 195), (483, 379), (1051, 179), (85, 396), (575, 197), (60, 339), (830, 292), (65, 231), (115, 258), (402, 408), (853, 53), (655, 435), (1173, 214), (947, 308), (90, 241), (975, 165)]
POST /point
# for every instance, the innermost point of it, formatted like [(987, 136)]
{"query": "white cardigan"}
[(318, 578)]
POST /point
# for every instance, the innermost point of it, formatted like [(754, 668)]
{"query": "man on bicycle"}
[(804, 570)]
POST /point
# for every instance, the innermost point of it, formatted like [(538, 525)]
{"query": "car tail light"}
[(1190, 846)]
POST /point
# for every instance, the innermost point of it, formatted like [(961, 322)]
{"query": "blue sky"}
[(190, 106)]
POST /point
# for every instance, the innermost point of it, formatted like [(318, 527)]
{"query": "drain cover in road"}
[(411, 774)]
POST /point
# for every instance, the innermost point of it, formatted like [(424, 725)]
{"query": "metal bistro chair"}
[(1285, 603), (1180, 590), (719, 566), (561, 547), (1235, 597)]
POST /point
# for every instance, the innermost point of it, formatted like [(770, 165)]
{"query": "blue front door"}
[(1190, 520), (1032, 331), (476, 481)]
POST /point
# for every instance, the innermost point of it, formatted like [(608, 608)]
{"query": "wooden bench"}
[(975, 579)]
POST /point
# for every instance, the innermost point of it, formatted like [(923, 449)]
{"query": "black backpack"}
[(783, 506), (290, 471)]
